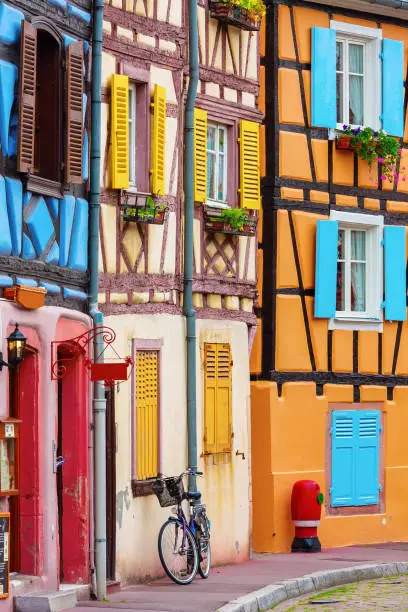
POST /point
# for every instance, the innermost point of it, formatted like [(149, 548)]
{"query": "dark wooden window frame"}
[(141, 78), (355, 510), (142, 488), (35, 182)]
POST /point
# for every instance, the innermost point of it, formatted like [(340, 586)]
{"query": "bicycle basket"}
[(169, 491)]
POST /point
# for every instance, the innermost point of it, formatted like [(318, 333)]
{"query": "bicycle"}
[(184, 547)]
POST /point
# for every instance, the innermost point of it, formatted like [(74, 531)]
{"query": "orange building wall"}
[(289, 432)]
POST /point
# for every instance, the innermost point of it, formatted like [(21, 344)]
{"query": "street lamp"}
[(16, 343)]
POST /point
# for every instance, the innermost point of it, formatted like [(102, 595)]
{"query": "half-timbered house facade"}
[(145, 79), (44, 76), (329, 390)]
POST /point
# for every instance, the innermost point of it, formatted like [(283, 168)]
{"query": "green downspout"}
[(99, 401), (188, 242)]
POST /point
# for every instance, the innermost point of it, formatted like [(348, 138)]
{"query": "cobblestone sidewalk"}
[(373, 595)]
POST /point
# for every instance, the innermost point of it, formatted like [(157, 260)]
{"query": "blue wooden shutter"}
[(324, 113), (367, 457), (393, 87), (326, 269), (395, 261), (342, 461)]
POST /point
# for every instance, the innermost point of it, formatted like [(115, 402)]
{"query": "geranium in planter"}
[(149, 213), (372, 146), (230, 221), (246, 14)]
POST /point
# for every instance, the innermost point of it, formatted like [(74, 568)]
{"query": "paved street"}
[(381, 594), (233, 581)]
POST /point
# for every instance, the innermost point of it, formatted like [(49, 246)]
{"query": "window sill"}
[(142, 488), (43, 186), (356, 324)]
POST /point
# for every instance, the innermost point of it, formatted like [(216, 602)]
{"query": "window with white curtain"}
[(358, 75), (216, 163), (359, 268)]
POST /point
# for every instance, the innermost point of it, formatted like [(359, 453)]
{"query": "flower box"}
[(215, 223), (344, 143), (142, 208), (234, 15)]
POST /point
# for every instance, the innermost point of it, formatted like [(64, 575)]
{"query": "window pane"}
[(211, 176), (358, 284), (339, 94), (341, 245), (356, 104), (341, 290), (356, 59), (339, 55), (221, 177), (358, 246), (211, 137), (221, 138)]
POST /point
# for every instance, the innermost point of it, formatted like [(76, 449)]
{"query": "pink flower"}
[(399, 150), (383, 177), (380, 160), (395, 175), (403, 167), (403, 178)]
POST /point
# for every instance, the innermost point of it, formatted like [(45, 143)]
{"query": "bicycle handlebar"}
[(190, 471)]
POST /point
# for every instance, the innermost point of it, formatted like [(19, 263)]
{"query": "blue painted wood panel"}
[(324, 77), (395, 273), (326, 269), (393, 87)]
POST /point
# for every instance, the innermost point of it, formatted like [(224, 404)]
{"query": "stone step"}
[(21, 584), (46, 601)]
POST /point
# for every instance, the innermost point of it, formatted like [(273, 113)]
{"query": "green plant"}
[(235, 217), (150, 209), (376, 146), (256, 8)]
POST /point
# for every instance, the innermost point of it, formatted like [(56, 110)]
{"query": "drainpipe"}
[(99, 401), (188, 242)]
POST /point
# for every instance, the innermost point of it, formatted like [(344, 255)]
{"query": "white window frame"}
[(132, 135), (216, 202), (372, 318), (371, 39)]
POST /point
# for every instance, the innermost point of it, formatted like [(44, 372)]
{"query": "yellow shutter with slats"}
[(200, 155), (249, 165), (120, 131), (158, 140), (147, 414), (217, 408)]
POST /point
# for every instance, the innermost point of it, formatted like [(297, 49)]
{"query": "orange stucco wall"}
[(289, 443)]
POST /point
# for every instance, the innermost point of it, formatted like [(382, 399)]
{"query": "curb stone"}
[(276, 593)]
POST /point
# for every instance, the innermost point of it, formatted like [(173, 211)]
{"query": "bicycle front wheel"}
[(204, 555), (178, 552)]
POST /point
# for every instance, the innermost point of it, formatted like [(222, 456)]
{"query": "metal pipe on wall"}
[(99, 401), (188, 241)]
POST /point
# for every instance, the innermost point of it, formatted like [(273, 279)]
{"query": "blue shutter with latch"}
[(342, 460), (395, 283), (393, 87), (324, 112), (367, 457), (326, 269)]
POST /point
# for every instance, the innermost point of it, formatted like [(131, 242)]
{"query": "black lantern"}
[(16, 343)]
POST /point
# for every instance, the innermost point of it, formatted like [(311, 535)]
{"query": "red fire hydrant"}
[(306, 505)]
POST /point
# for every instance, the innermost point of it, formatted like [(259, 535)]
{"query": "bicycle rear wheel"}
[(204, 555), (178, 554)]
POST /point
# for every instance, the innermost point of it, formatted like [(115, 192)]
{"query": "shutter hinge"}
[(331, 431), (331, 490), (380, 428), (382, 243), (381, 117), (380, 487), (383, 304), (381, 55)]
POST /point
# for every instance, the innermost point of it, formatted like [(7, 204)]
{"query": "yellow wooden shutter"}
[(158, 140), (200, 155), (210, 399), (218, 392), (147, 414), (249, 165), (223, 424), (120, 131)]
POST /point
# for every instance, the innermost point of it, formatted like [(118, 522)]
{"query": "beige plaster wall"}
[(226, 484)]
